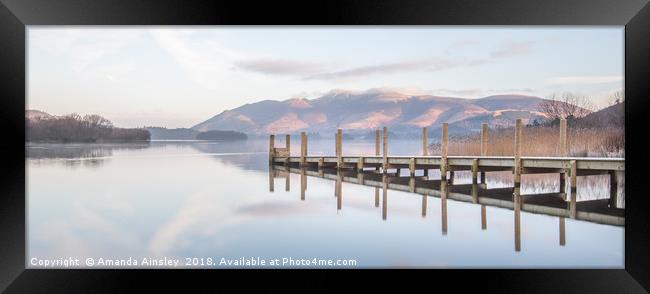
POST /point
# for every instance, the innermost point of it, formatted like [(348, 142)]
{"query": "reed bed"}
[(541, 141)]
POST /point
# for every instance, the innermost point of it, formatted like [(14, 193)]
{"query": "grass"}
[(541, 141)]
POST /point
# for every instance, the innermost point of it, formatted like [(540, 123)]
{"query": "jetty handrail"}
[(569, 168)]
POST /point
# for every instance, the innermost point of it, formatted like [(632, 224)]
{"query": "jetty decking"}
[(562, 203)]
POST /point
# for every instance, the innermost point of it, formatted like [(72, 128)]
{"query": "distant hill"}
[(31, 114), (612, 116), (364, 112)]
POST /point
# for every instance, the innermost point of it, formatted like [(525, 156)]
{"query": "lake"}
[(204, 203)]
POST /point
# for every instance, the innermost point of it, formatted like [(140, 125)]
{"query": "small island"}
[(221, 136), (91, 128)]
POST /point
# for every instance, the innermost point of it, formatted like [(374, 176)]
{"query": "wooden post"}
[(517, 190), (562, 232), (339, 148), (474, 193), (574, 189), (613, 189), (563, 151), (475, 181), (385, 162), (412, 166), (303, 147), (445, 147), (483, 218), (425, 146), (360, 179), (424, 205), (271, 148), (360, 164), (484, 141), (475, 171), (563, 138), (288, 143), (563, 184), (517, 163)]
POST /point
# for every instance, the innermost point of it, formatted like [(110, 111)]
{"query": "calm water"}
[(179, 200)]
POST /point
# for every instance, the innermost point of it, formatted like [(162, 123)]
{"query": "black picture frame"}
[(15, 15)]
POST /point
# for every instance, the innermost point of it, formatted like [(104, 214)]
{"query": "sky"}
[(181, 76)]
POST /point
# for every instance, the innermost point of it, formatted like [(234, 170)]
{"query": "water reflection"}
[(76, 155), (444, 188), (176, 199)]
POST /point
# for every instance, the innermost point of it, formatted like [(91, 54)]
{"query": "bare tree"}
[(617, 97), (565, 105)]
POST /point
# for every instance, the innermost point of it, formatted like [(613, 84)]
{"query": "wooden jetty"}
[(387, 168)]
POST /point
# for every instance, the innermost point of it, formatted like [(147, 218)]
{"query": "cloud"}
[(474, 93), (464, 43), (511, 49), (434, 64), (583, 80), (82, 48), (281, 66), (204, 60)]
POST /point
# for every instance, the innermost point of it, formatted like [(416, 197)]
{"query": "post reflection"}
[(287, 181), (338, 190), (424, 205), (444, 192), (376, 197), (271, 179), (303, 184), (517, 209), (384, 207), (483, 218), (562, 232), (389, 181)]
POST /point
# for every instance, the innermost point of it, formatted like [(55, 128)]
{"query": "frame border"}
[(15, 15)]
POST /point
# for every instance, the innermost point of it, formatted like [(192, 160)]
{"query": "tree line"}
[(77, 128)]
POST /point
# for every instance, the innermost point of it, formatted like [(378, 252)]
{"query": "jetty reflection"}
[(424, 187)]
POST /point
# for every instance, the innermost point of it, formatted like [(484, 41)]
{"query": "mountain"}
[(611, 116), (31, 114), (369, 110)]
